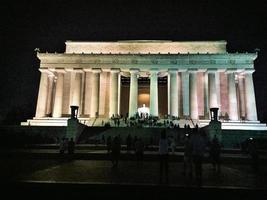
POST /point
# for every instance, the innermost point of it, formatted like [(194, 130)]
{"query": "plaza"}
[(89, 173)]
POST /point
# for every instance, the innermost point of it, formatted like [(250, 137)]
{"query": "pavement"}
[(90, 172)]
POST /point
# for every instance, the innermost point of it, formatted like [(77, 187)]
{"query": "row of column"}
[(189, 93), (47, 101), (190, 97)]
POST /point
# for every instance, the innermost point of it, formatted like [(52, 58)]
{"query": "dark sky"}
[(26, 25)]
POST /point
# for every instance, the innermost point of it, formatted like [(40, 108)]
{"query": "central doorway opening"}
[(144, 94)]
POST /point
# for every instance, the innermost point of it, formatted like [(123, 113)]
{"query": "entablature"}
[(228, 60)]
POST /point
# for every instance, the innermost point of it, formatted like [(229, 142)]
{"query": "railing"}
[(94, 121)]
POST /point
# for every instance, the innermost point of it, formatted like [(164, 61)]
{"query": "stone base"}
[(226, 125), (238, 125)]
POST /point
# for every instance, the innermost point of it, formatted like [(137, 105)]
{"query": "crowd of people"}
[(196, 145), (140, 120)]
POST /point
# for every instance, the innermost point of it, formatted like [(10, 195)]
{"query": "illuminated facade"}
[(180, 79)]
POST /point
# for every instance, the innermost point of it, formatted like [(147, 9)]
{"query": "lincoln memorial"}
[(179, 80)]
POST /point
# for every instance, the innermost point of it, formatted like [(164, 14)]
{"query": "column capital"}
[(249, 71), (96, 70), (193, 70), (182, 70), (69, 69), (78, 70), (155, 70), (115, 70), (221, 70), (43, 70), (46, 70), (231, 70), (87, 70), (202, 70), (172, 70), (134, 70), (212, 70), (60, 70)]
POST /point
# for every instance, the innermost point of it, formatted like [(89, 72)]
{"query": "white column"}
[(173, 92), (250, 96), (213, 100), (119, 94), (206, 94), (87, 91), (57, 111), (95, 92), (218, 90), (113, 96), (154, 92), (168, 91), (233, 113), (241, 88), (42, 94), (76, 98), (133, 92), (50, 94), (82, 96), (185, 88), (193, 94)]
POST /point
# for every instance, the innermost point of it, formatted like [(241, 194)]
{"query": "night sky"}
[(26, 25)]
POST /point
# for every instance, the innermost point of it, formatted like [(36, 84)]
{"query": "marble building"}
[(170, 78)]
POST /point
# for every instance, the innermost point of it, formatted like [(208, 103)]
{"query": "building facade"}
[(180, 79)]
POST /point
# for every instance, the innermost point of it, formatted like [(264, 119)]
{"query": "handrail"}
[(94, 121)]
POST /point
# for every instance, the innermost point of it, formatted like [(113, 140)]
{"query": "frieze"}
[(154, 62), (65, 60), (115, 61), (134, 61), (174, 62), (192, 62), (232, 62), (97, 61)]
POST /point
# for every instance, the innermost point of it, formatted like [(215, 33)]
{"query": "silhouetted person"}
[(151, 140), (163, 156), (57, 140), (188, 166), (66, 143), (103, 139), (61, 146), (109, 143), (129, 143), (172, 144), (115, 151), (139, 150), (71, 146), (215, 154), (134, 141), (252, 151), (198, 150)]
